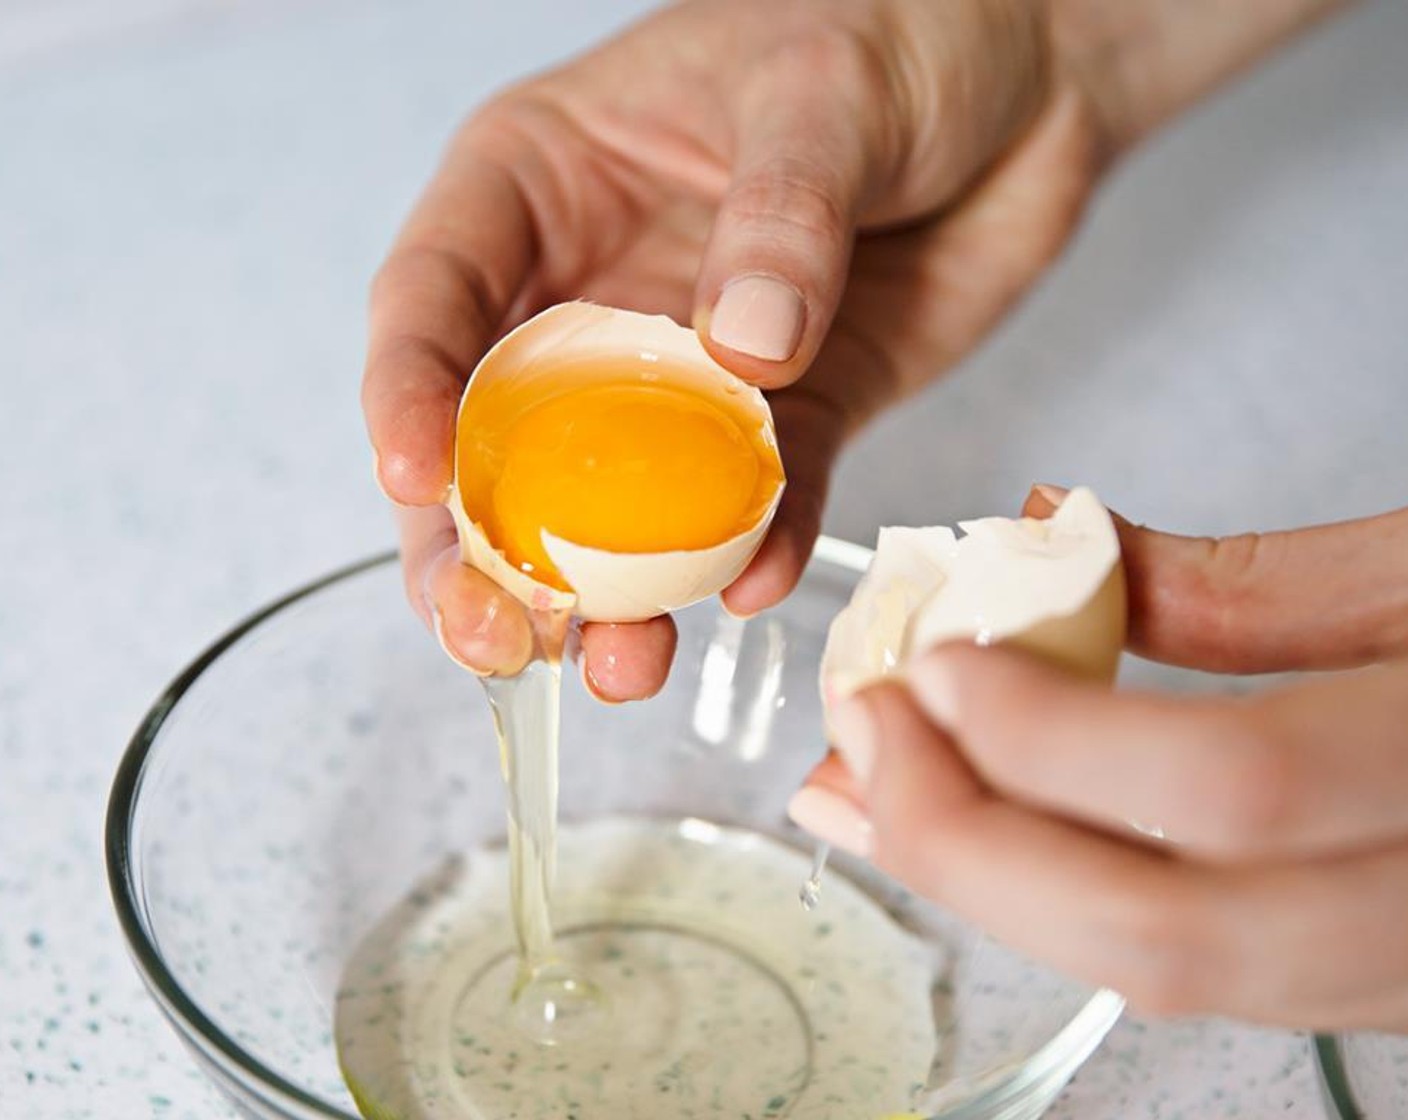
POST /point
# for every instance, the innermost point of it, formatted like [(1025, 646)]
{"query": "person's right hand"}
[(842, 195), (1269, 826)]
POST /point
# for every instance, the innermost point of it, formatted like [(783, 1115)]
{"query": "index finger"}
[(1325, 597), (437, 302)]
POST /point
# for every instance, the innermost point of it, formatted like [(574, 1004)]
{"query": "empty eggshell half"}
[(578, 340), (1054, 587)]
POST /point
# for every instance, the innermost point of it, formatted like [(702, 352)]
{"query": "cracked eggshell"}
[(1054, 587), (866, 640), (613, 586)]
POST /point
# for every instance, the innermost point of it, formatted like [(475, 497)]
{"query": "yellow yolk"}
[(624, 466)]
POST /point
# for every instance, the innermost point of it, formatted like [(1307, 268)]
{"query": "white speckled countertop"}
[(193, 194)]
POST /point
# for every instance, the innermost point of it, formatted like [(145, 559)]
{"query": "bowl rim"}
[(1332, 1072), (228, 1062), (192, 1024)]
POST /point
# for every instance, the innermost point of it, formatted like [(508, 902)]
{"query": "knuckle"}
[(417, 272), (1255, 793), (866, 76), (838, 57), (1166, 960), (510, 114), (794, 201), (422, 355), (1221, 591), (1233, 559), (389, 277), (1235, 789)]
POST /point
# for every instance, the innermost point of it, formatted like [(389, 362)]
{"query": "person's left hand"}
[(1243, 856), (843, 196)]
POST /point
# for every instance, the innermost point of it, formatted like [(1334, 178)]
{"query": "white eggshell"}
[(629, 587), (614, 586), (477, 552), (1054, 587), (867, 639)]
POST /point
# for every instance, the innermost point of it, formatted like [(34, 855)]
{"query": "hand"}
[(1267, 874), (856, 190)]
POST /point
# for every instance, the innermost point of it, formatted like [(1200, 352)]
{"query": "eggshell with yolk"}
[(613, 586)]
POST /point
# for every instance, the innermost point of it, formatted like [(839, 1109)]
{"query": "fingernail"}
[(758, 315), (854, 732), (829, 816), (589, 683), (1053, 494), (742, 616), (380, 481), (437, 622)]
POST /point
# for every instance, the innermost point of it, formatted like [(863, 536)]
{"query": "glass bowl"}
[(1363, 1076), (293, 784)]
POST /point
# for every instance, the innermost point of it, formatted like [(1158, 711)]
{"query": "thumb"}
[(1327, 597), (775, 265)]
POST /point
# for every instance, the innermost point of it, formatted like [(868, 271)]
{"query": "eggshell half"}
[(1054, 587), (613, 586), (867, 639)]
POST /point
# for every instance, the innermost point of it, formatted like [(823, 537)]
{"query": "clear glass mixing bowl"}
[(323, 756), (1363, 1076)]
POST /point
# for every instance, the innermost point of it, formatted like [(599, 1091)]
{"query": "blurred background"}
[(193, 196)]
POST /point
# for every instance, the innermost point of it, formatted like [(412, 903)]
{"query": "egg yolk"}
[(626, 467)]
